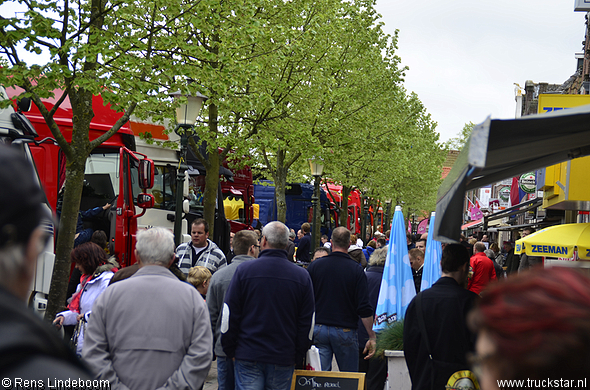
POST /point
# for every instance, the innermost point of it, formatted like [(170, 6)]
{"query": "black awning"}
[(500, 149)]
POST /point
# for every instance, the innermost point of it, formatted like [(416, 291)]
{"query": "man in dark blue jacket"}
[(341, 297), (268, 315), (304, 247)]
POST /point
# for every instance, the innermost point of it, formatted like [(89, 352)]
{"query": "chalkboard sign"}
[(315, 380)]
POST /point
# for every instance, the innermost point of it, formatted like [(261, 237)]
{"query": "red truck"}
[(334, 193), (115, 172)]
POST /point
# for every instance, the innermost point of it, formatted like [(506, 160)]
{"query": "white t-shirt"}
[(196, 251)]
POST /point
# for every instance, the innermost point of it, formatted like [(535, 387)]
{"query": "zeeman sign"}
[(549, 250)]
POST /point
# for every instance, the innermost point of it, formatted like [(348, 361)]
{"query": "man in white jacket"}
[(151, 330)]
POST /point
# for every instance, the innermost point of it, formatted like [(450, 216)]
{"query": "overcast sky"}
[(464, 56)]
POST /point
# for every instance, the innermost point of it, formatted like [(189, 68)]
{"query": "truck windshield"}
[(101, 180), (164, 190), (134, 177), (196, 187)]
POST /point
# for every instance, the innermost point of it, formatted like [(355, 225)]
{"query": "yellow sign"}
[(565, 185), (559, 241), (554, 102)]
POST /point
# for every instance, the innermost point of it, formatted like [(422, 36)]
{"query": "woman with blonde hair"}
[(199, 277)]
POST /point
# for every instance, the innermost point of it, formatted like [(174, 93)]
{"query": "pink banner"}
[(423, 226), (476, 214)]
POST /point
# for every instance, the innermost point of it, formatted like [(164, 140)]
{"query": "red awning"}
[(472, 224)]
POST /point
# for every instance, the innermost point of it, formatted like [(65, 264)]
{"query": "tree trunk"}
[(279, 175), (65, 238), (387, 223), (280, 186), (212, 178), (82, 114), (280, 179), (344, 211)]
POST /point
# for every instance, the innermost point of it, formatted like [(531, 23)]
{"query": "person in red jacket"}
[(483, 269)]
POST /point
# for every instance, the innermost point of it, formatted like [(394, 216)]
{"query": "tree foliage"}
[(258, 57), (353, 76), (458, 142)]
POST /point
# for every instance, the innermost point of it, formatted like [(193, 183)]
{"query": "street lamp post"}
[(387, 223), (186, 115), (365, 220), (317, 167)]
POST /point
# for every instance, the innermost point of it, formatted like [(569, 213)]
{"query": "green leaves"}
[(302, 77), (458, 142), (390, 339)]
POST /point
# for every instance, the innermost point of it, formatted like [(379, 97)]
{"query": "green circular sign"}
[(504, 193), (528, 182)]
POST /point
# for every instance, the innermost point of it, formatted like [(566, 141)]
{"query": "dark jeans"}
[(262, 376), (340, 342), (225, 373), (376, 370)]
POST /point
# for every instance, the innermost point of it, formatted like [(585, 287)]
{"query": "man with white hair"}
[(268, 315), (150, 330)]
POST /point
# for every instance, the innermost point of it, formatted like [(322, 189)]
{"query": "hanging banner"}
[(423, 226)]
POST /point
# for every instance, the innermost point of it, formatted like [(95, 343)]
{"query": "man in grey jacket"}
[(246, 247), (150, 331)]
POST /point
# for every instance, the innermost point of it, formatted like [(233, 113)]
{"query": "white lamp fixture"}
[(317, 167), (187, 113)]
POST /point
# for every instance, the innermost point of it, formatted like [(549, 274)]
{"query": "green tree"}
[(355, 71), (253, 60), (397, 160), (457, 143), (123, 51)]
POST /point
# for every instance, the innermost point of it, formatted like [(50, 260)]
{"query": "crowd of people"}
[(161, 322)]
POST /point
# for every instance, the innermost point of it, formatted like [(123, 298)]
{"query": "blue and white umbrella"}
[(432, 270), (397, 285)]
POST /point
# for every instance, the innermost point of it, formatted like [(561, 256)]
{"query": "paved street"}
[(211, 381)]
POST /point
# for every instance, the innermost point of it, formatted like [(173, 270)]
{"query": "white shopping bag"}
[(312, 359)]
